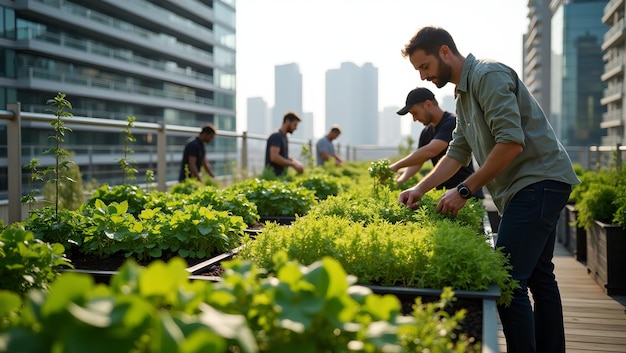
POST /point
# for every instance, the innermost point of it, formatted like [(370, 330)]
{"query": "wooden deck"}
[(594, 321)]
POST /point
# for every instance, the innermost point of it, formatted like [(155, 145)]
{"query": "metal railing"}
[(248, 155)]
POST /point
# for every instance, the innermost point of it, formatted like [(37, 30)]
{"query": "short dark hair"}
[(291, 116), (430, 39), (208, 129)]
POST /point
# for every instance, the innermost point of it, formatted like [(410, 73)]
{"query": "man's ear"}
[(444, 52)]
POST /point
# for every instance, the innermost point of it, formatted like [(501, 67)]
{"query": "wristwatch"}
[(464, 191)]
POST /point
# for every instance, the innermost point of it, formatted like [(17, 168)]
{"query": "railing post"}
[(161, 159), (618, 160), (14, 165), (244, 152)]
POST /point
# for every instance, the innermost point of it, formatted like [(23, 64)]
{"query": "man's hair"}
[(291, 116), (335, 129), (430, 39), (208, 129)]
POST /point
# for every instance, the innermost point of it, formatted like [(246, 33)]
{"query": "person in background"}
[(526, 170), (194, 155), (433, 141), (277, 150), (325, 148)]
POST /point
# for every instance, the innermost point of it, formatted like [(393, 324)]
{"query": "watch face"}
[(464, 191)]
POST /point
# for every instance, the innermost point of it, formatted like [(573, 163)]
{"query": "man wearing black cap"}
[(434, 139)]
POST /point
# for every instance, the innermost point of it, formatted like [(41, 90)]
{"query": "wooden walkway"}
[(594, 321)]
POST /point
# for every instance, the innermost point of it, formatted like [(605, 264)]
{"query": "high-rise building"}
[(577, 65), (258, 116), (614, 75), (352, 102), (536, 52), (390, 127), (169, 62), (287, 92)]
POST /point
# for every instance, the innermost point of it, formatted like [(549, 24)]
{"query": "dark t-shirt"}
[(443, 131), (193, 148), (277, 139)]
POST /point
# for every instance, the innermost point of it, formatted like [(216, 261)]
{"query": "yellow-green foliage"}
[(431, 254)]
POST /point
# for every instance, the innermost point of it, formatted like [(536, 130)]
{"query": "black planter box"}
[(577, 236), (606, 246)]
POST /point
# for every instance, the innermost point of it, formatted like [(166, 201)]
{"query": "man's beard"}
[(444, 73)]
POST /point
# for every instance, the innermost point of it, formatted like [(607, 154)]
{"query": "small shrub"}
[(276, 198), (27, 263)]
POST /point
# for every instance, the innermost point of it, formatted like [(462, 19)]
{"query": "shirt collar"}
[(468, 65)]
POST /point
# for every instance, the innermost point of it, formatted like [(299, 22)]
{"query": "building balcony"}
[(614, 36), (612, 94), (611, 119), (610, 8), (615, 67)]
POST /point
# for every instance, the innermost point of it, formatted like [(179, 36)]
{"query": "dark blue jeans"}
[(527, 233)]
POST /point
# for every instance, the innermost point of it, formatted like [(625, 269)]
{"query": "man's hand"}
[(410, 197), (297, 166), (450, 203)]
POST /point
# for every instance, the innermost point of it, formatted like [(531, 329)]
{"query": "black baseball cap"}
[(417, 95)]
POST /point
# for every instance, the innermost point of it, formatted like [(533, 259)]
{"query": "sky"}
[(319, 35)]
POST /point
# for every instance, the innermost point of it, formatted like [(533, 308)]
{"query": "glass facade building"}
[(577, 65), (170, 62)]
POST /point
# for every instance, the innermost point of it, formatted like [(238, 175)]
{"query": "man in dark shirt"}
[(194, 155), (434, 139), (277, 149)]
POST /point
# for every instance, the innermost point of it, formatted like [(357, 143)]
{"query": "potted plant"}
[(601, 213)]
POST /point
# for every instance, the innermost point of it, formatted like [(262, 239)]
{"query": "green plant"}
[(27, 263), (61, 111), (597, 203), (70, 189), (276, 197), (128, 171), (323, 185), (35, 176), (157, 309), (432, 254), (132, 194), (382, 175)]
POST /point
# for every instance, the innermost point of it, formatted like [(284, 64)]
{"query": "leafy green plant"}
[(126, 163), (27, 263), (323, 185), (132, 194), (157, 309), (276, 197)]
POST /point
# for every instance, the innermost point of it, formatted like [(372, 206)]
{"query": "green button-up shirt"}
[(494, 106)]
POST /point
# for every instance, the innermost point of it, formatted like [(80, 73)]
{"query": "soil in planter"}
[(472, 324), (112, 263)]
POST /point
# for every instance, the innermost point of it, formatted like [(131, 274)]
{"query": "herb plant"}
[(431, 254)]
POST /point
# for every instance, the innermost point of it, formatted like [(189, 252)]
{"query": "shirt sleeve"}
[(497, 94)]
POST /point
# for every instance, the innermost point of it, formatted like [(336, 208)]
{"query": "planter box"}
[(282, 220), (577, 242), (562, 230), (606, 247), (485, 301), (481, 316)]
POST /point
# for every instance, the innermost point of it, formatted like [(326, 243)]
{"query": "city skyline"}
[(320, 36)]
